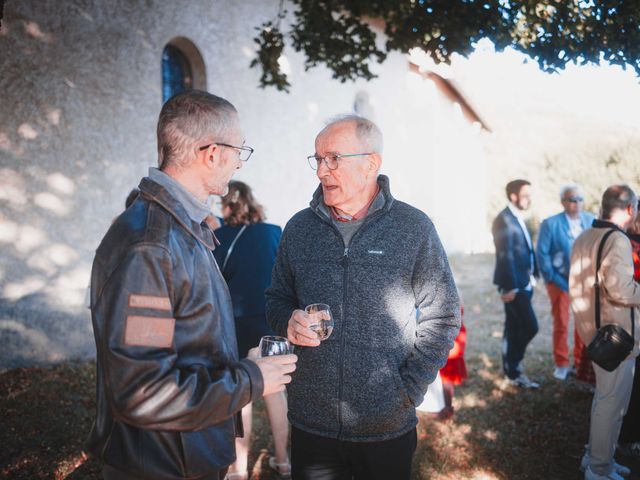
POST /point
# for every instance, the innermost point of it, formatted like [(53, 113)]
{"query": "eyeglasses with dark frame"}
[(331, 159), (573, 199), (243, 152)]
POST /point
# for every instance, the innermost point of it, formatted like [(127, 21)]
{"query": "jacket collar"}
[(585, 220), (155, 192), (318, 206), (514, 211), (604, 224), (196, 209)]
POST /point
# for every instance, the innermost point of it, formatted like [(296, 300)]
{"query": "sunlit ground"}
[(497, 433)]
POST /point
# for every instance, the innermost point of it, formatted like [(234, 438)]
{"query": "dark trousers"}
[(110, 473), (520, 326), (319, 458), (630, 431)]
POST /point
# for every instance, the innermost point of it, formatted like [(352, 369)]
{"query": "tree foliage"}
[(341, 33)]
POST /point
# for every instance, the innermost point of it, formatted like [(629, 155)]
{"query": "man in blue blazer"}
[(557, 234), (514, 276)]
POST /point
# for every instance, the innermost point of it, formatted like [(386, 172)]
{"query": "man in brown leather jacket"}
[(169, 381)]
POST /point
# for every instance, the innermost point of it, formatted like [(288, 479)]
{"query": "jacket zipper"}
[(345, 265)]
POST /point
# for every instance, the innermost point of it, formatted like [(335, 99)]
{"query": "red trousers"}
[(560, 312)]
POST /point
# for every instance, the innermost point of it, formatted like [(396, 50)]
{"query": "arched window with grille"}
[(182, 68)]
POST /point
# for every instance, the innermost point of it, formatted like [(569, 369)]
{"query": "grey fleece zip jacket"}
[(396, 312)]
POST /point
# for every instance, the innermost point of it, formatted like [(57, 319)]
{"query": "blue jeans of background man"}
[(520, 326)]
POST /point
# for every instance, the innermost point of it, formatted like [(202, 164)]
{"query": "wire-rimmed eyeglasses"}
[(243, 152), (331, 160)]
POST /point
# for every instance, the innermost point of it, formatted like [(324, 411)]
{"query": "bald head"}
[(367, 133), (616, 199)]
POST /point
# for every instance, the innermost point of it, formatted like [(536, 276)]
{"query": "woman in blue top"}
[(246, 257)]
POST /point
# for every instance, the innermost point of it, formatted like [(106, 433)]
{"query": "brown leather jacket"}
[(169, 382), (619, 292)]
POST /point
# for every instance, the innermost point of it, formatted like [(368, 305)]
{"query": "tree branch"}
[(553, 32)]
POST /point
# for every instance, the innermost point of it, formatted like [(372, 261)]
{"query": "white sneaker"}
[(590, 475), (617, 468), (523, 381), (561, 373)]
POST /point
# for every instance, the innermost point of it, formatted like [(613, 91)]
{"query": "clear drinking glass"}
[(324, 327), (274, 345)]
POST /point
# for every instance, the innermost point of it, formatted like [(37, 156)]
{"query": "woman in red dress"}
[(455, 370)]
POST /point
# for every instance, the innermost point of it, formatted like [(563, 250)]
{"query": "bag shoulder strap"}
[(597, 285), (233, 244)]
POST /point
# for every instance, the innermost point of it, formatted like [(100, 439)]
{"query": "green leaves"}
[(349, 35), (340, 40), (271, 44)]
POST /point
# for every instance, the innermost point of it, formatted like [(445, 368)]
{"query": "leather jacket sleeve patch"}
[(149, 331), (149, 301)]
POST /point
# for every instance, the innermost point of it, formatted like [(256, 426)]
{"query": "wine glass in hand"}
[(274, 345), (323, 326)]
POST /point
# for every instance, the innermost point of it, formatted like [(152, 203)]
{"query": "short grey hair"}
[(617, 197), (571, 187), (189, 120), (367, 132)]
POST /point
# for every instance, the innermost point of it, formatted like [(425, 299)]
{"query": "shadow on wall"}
[(61, 177), (32, 332), (42, 281)]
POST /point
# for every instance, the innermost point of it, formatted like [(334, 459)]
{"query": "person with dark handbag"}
[(629, 440), (604, 297), (612, 344)]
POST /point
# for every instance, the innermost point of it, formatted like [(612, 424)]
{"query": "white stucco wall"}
[(80, 90)]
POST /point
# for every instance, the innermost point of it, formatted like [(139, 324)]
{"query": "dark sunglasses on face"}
[(573, 199)]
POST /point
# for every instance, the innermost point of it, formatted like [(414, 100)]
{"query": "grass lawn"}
[(498, 432)]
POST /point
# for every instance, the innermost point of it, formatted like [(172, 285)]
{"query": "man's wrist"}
[(256, 381)]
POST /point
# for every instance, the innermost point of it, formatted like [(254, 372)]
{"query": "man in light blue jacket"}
[(557, 234)]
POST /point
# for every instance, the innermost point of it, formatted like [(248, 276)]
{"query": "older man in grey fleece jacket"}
[(379, 264)]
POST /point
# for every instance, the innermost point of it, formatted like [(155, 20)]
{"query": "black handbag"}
[(612, 344)]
